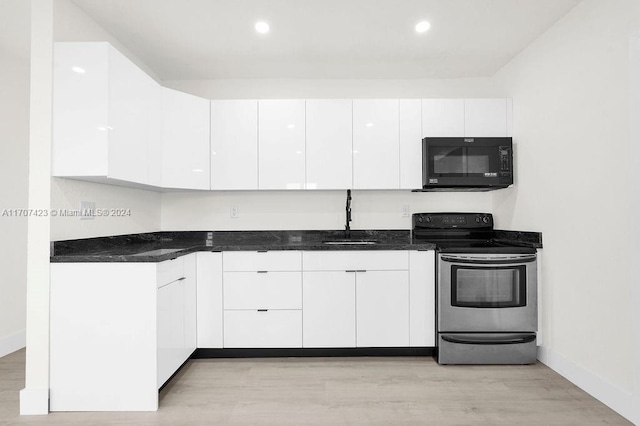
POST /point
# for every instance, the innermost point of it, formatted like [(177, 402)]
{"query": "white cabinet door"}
[(422, 292), (329, 309), (410, 143), (382, 308), (376, 145), (281, 141), (234, 144), (80, 109), (185, 140), (134, 104), (106, 116), (443, 118), (190, 305), (329, 144), (171, 327), (209, 300), (263, 329), (485, 117)]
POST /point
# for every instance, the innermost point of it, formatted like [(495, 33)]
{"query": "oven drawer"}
[(487, 348)]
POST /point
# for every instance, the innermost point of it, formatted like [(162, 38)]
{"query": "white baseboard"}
[(611, 395), (34, 402), (12, 342)]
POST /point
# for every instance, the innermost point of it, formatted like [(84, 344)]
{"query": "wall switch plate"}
[(87, 210), (235, 212), (405, 211)]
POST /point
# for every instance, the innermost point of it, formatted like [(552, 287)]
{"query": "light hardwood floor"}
[(332, 391)]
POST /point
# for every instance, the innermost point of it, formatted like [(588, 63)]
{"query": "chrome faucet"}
[(347, 228)]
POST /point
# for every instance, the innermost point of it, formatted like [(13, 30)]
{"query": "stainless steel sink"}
[(350, 242)]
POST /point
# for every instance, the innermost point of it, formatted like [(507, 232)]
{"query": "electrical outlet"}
[(87, 210), (405, 212), (235, 212)]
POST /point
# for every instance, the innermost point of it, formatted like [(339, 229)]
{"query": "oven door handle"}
[(483, 340), (486, 261)]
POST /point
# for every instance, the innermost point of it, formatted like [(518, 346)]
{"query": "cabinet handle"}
[(180, 279), (262, 310), (262, 251), (361, 270), (262, 272), (351, 270)]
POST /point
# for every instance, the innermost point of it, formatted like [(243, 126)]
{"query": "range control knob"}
[(477, 219), (428, 219), (420, 219), (485, 219)]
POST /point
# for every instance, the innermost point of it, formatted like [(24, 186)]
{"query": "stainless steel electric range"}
[(486, 291)]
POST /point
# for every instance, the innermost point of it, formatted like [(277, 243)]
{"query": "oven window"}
[(500, 287)]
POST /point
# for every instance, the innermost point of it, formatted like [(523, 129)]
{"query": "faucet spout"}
[(347, 227)]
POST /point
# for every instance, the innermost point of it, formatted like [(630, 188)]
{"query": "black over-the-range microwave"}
[(471, 164)]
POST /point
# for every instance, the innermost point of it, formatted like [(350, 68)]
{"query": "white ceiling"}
[(213, 39)]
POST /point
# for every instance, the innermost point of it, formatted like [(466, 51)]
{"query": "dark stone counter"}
[(160, 246)]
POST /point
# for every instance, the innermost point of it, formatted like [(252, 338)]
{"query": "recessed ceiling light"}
[(262, 27), (422, 27), (78, 70)]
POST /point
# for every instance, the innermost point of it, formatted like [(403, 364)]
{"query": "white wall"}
[(634, 160), (72, 24), (570, 91), (321, 209), (14, 157), (272, 210)]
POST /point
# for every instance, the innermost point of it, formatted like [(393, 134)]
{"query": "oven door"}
[(487, 293)]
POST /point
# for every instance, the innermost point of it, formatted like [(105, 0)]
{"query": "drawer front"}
[(169, 271), (261, 261), (371, 260), (270, 329), (268, 290)]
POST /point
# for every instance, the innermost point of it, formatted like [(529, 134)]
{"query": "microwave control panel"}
[(505, 161)]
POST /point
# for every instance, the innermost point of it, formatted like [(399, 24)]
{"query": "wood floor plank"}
[(340, 391)]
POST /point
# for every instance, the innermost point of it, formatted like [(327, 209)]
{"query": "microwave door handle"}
[(482, 340)]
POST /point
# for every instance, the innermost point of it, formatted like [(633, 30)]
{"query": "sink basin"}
[(350, 242), (158, 252)]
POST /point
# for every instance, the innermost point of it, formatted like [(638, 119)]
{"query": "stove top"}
[(461, 233)]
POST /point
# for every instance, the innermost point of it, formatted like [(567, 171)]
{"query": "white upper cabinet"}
[(281, 136), (329, 144), (185, 140), (234, 144), (442, 117), (487, 117), (410, 143), (376, 146), (106, 115)]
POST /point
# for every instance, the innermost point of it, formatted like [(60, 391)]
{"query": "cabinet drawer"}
[(356, 260), (169, 271), (268, 290), (262, 261), (270, 329)]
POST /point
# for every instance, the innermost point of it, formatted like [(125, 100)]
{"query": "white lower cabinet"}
[(329, 309), (118, 332), (209, 300), (366, 298), (262, 299), (382, 306)]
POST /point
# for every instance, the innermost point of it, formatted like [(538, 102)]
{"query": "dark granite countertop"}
[(160, 246)]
